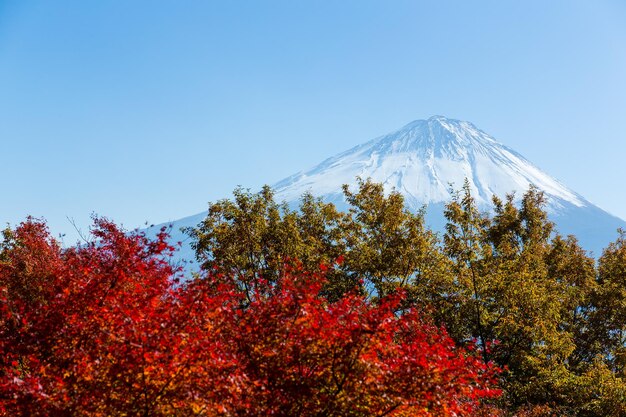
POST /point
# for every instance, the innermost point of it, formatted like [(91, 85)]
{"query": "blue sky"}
[(146, 110)]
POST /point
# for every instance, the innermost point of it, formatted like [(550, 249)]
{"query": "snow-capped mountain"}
[(426, 158), (423, 159)]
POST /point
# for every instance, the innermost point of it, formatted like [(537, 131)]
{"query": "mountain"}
[(422, 159), (425, 158)]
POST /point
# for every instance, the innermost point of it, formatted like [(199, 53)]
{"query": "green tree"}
[(249, 238), (465, 244), (390, 246), (379, 244), (609, 316), (529, 289)]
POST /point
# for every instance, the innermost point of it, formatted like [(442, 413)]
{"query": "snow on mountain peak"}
[(437, 136), (423, 159)]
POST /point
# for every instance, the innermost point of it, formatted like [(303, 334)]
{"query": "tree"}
[(609, 315), (532, 292), (382, 245), (86, 330), (105, 329), (252, 238), (350, 357), (391, 247), (465, 244)]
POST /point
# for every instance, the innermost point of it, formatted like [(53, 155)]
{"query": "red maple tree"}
[(104, 329)]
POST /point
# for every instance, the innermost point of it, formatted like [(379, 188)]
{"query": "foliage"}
[(382, 245), (537, 301), (525, 291), (104, 329), (534, 302), (85, 331), (389, 246), (346, 358)]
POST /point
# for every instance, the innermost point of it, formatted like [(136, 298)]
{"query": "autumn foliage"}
[(105, 329)]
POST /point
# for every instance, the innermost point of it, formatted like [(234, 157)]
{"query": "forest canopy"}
[(317, 311), (533, 301)]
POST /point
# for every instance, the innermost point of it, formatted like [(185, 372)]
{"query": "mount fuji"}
[(425, 158)]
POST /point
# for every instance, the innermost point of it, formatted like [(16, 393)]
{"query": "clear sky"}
[(146, 110)]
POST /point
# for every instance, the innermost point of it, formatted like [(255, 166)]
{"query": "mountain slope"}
[(423, 159), (426, 158)]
